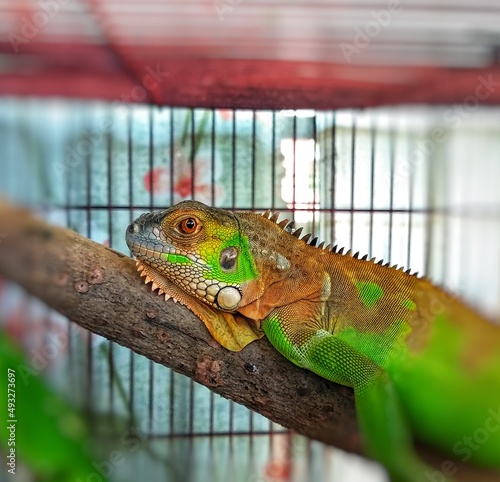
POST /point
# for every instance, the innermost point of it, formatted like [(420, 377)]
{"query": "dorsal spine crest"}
[(288, 226)]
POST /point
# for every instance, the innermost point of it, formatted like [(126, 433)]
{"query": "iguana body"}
[(420, 361)]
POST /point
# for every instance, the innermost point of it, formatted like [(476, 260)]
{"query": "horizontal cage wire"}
[(371, 181)]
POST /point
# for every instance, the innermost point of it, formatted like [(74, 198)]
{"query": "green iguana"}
[(422, 363)]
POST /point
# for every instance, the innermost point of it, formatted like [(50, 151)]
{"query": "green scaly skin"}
[(422, 363)]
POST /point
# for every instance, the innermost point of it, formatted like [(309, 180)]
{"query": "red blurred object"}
[(156, 180), (243, 54), (279, 471)]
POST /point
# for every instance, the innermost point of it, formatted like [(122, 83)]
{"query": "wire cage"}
[(370, 180), (413, 184)]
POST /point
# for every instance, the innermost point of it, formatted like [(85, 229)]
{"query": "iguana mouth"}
[(159, 251)]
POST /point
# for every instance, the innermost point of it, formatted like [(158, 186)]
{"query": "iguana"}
[(422, 364)]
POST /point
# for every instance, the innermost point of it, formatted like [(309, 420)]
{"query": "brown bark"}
[(100, 289)]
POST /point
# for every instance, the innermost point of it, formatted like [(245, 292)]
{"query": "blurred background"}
[(374, 124)]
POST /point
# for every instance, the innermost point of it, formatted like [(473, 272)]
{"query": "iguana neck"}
[(287, 271)]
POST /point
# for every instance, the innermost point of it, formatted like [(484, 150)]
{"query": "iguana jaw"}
[(232, 331), (227, 296)]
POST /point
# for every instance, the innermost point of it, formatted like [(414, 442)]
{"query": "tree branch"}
[(100, 289)]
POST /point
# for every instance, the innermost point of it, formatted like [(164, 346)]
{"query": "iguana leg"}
[(386, 432)]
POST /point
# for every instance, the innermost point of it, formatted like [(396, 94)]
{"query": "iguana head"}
[(242, 265), (198, 248)]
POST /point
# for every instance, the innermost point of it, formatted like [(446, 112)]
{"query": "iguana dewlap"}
[(421, 362)]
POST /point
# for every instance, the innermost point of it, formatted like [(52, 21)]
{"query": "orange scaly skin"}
[(421, 362)]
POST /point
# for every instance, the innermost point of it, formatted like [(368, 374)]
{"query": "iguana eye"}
[(228, 258), (188, 226)]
